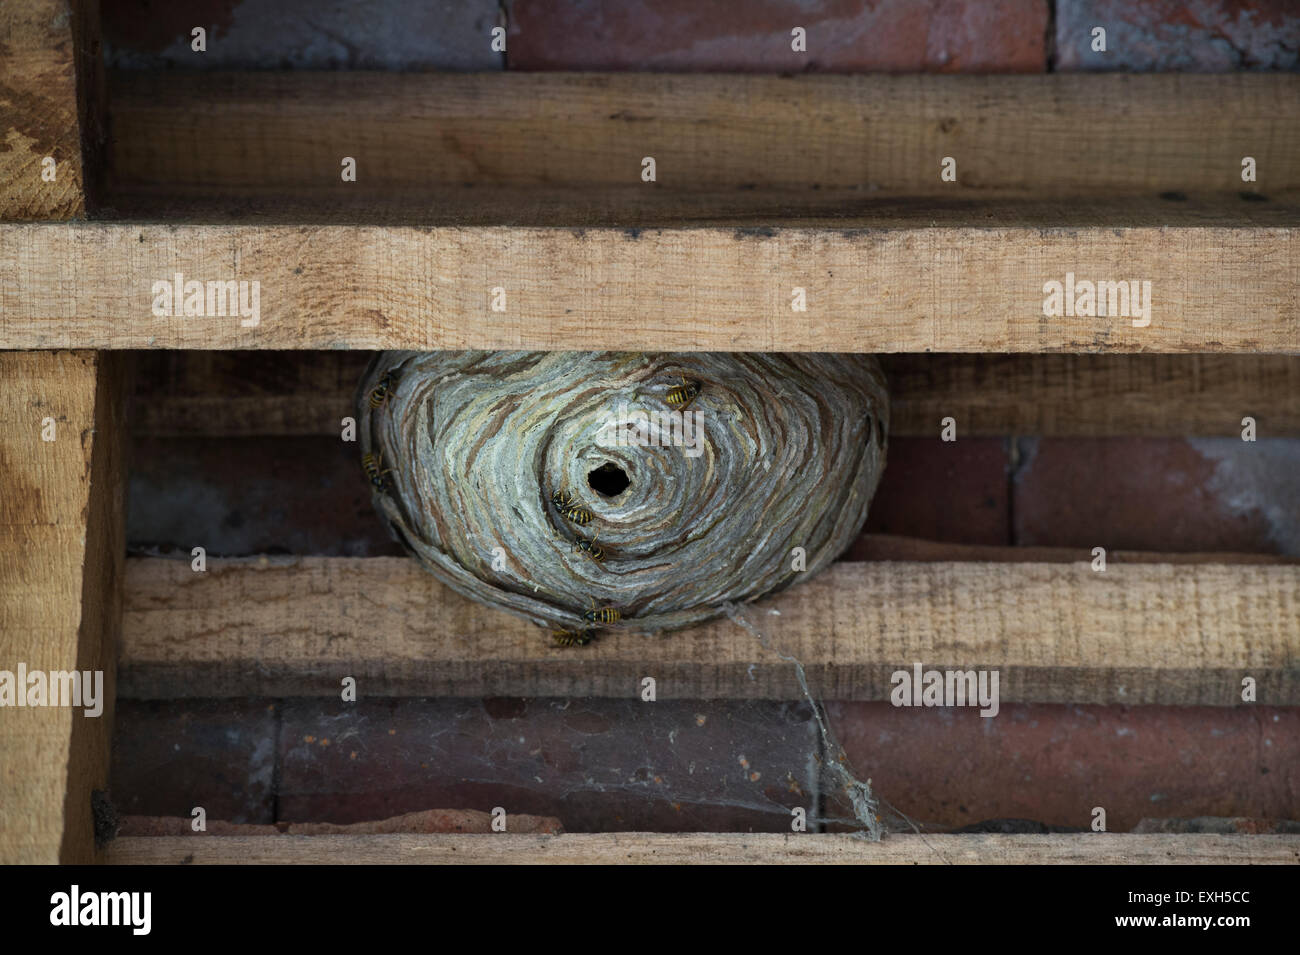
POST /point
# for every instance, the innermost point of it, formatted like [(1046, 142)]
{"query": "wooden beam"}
[(1136, 633), (895, 547), (905, 278), (50, 95), (61, 523), (61, 552), (693, 848), (1009, 134), (1094, 395), (282, 394)]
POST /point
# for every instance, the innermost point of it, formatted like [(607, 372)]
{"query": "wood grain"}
[(1094, 395), (1224, 278), (1041, 135), (690, 848), (896, 547), (49, 105), (1137, 633), (61, 553), (285, 393)]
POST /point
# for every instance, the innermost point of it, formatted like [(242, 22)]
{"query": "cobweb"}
[(863, 802)]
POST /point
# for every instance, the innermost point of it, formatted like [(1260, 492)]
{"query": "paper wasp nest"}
[(574, 488)]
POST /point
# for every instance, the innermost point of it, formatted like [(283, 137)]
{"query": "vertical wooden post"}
[(50, 107), (61, 562), (61, 449)]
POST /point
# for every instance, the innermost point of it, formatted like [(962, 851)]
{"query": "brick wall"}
[(842, 36)]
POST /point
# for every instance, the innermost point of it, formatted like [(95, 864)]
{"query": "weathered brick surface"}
[(302, 35), (1194, 36), (1052, 764), (169, 757), (1208, 494), (239, 496), (681, 766), (597, 765), (952, 491), (954, 36)]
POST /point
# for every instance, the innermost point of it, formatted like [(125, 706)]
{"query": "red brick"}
[(1192, 36), (1207, 495), (169, 757), (845, 36), (301, 35), (952, 491), (1053, 763), (596, 765)]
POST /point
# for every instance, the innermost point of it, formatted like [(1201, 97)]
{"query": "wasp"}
[(602, 614), (568, 506), (682, 395), (589, 548), (572, 638), (373, 465), (382, 391)]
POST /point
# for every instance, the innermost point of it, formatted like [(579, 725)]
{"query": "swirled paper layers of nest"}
[(776, 452)]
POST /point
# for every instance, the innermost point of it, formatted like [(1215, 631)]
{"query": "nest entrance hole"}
[(609, 480)]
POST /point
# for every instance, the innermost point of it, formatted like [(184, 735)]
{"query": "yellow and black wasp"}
[(680, 396), (589, 548), (382, 391), (373, 465), (602, 614), (572, 638), (569, 508)]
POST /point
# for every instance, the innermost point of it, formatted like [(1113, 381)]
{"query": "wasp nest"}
[(622, 490)]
